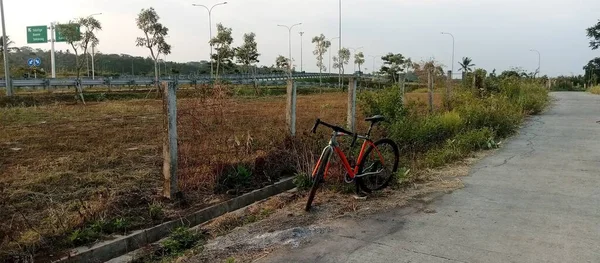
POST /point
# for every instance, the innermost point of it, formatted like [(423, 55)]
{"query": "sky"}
[(496, 34)]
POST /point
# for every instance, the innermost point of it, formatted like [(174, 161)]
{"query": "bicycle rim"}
[(380, 164)]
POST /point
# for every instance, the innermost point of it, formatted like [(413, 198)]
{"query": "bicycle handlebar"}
[(336, 129)]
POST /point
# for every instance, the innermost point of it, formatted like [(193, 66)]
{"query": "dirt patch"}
[(290, 226)]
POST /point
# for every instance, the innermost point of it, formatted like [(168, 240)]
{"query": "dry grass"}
[(594, 90), (63, 167)]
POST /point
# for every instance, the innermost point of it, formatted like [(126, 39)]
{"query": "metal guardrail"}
[(262, 79)]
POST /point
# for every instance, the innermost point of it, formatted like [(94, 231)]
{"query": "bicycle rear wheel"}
[(379, 163), (318, 176)]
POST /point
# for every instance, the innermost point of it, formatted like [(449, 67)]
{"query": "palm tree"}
[(8, 44), (466, 66)]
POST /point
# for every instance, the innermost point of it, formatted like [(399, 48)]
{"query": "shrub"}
[(303, 181), (180, 239), (418, 133), (387, 102), (594, 90), (496, 112), (459, 146)]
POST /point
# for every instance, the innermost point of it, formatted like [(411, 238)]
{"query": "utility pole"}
[(340, 46), (301, 68), (9, 91), (446, 33)]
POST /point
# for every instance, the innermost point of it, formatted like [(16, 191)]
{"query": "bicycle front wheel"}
[(378, 165), (318, 176)]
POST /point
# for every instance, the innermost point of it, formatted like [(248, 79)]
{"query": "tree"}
[(466, 65), (359, 59), (592, 71), (422, 69), (282, 62), (154, 37), (342, 59), (9, 43), (247, 54), (79, 35), (594, 34), (222, 44), (321, 46), (393, 64)]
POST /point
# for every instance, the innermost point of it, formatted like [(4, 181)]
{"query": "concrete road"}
[(536, 200)]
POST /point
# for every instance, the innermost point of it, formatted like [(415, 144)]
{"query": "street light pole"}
[(290, 45), (445, 33), (9, 92), (330, 53), (539, 61), (301, 68), (340, 46), (210, 30), (93, 51), (373, 69)]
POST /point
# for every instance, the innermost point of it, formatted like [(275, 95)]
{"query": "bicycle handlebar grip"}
[(314, 129), (354, 140)]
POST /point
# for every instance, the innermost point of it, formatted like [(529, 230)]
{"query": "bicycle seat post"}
[(370, 128)]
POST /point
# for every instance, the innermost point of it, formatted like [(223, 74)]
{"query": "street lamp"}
[(9, 92), (446, 33), (93, 52), (330, 53), (210, 30), (290, 44), (539, 62), (301, 69), (354, 60), (374, 57)]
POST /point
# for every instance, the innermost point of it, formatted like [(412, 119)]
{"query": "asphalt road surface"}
[(536, 200)]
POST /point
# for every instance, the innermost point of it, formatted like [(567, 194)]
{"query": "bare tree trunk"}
[(156, 75)]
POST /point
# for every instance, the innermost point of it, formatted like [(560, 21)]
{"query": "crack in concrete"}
[(531, 145), (505, 161), (432, 255)]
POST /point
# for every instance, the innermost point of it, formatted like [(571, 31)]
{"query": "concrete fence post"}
[(403, 83), (170, 189), (352, 103), (290, 111), (430, 84)]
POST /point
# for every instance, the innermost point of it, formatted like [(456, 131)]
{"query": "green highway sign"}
[(37, 34), (59, 37)]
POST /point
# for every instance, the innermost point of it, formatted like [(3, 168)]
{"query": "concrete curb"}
[(121, 245)]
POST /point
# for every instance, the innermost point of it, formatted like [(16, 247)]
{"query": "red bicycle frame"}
[(334, 145)]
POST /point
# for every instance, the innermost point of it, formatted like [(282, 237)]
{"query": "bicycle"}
[(368, 176)]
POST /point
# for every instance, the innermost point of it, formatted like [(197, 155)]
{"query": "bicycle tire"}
[(361, 180), (318, 178)]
